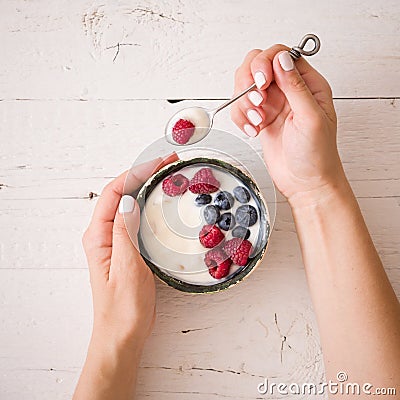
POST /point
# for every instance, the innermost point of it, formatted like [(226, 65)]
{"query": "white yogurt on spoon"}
[(198, 116)]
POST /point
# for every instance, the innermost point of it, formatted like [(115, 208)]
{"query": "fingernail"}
[(259, 79), (126, 204), (255, 98), (254, 117), (250, 130), (286, 61), (153, 162), (172, 155)]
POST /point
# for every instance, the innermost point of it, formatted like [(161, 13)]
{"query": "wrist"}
[(110, 370), (118, 336), (312, 198), (107, 351)]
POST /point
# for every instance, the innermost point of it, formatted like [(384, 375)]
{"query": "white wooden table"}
[(83, 90)]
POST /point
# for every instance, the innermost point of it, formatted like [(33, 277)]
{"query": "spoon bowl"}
[(202, 120)]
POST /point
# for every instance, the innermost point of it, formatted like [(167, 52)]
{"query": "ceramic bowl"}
[(259, 246)]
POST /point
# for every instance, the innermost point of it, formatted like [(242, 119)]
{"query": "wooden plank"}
[(52, 141), (31, 231), (176, 49), (83, 144), (90, 116), (53, 308), (49, 314)]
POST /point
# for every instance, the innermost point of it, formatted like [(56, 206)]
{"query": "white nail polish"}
[(126, 205), (286, 61), (254, 117), (250, 130), (255, 98), (259, 79)]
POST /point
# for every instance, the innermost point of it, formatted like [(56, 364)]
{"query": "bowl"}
[(168, 237)]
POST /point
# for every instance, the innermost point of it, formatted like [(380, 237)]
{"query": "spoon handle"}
[(295, 52), (230, 101)]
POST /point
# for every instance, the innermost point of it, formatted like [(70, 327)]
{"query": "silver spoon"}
[(203, 119)]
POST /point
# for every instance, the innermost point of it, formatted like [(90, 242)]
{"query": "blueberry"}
[(227, 221), (241, 232), (202, 199), (246, 215), (211, 214), (224, 200), (241, 194)]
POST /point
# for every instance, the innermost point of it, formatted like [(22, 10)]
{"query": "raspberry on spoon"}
[(182, 131)]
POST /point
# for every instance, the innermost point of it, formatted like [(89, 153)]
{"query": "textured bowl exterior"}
[(265, 226)]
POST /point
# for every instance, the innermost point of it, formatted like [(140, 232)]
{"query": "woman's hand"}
[(292, 111), (122, 287)]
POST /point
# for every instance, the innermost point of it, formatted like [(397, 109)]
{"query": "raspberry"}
[(175, 185), (218, 263), (204, 181), (182, 131), (238, 250), (210, 236)]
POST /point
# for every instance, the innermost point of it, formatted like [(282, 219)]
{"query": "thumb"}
[(126, 227), (291, 83)]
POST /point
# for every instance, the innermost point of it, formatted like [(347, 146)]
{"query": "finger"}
[(257, 68), (122, 246), (243, 76), (274, 106), (271, 109), (127, 182), (125, 229), (257, 97), (247, 107), (255, 115), (240, 120), (125, 257), (261, 66), (97, 246), (243, 79), (97, 240), (296, 91), (311, 76), (318, 85)]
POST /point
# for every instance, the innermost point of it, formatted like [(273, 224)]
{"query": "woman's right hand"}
[(292, 111)]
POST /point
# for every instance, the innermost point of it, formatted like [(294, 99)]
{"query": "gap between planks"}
[(172, 101)]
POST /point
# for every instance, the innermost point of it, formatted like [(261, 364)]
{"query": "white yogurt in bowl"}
[(170, 226)]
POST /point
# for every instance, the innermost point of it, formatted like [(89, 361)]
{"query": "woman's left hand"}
[(122, 287), (122, 284)]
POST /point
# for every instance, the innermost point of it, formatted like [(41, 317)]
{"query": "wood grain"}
[(185, 49), (62, 151), (76, 109)]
